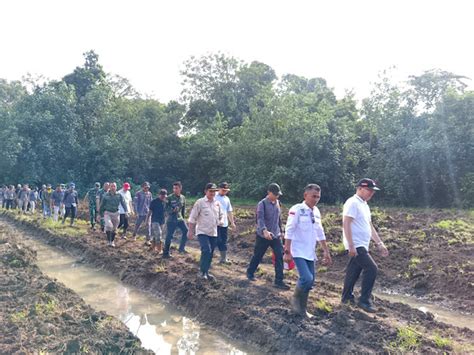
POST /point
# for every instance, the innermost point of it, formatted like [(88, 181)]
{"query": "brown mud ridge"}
[(257, 313), (430, 252), (38, 314)]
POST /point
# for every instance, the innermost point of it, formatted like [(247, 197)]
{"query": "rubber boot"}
[(153, 244), (107, 233), (223, 259), (297, 302), (112, 238), (304, 305), (158, 247)]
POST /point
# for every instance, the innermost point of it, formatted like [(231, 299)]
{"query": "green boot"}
[(297, 302)]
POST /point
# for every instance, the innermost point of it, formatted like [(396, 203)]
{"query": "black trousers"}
[(261, 246), (361, 263), (123, 222)]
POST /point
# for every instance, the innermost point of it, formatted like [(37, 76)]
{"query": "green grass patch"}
[(323, 306), (322, 269), (337, 248), (414, 262), (19, 317), (441, 342), (408, 339)]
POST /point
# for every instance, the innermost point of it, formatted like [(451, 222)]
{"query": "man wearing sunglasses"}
[(303, 231), (358, 230)]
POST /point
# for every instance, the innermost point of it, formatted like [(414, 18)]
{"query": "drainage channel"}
[(160, 328)]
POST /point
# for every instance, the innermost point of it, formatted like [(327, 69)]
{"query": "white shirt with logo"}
[(304, 229), (361, 226)]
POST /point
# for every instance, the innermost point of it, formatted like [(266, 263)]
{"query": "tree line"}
[(240, 122)]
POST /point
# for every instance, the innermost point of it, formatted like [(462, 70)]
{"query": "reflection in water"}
[(160, 329), (441, 314)]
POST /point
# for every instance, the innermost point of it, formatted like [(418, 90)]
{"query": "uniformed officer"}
[(303, 231)]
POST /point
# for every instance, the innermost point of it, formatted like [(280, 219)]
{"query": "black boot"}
[(107, 233)]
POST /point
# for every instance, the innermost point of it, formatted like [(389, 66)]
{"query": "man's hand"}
[(233, 226), (190, 234), (267, 235), (383, 249), (287, 257), (352, 250), (327, 260)]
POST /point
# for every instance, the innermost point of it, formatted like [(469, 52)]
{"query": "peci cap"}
[(126, 186), (225, 186), (274, 188), (211, 186), (163, 192), (369, 183)]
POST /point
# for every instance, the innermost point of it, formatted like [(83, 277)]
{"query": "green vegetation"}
[(408, 340), (414, 261), (240, 122), (336, 248), (442, 343), (323, 306), (19, 317)]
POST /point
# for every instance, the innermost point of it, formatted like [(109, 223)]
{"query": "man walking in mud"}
[(70, 202), (100, 196), (23, 199), (358, 230), (303, 231), (56, 201), (109, 208), (91, 197), (175, 208), (222, 231), (141, 204), (269, 234), (206, 215), (127, 196)]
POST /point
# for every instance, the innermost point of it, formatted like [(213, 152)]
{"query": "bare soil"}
[(257, 313)]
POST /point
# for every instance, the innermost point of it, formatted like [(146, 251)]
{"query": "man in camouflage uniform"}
[(100, 196), (91, 197), (175, 209)]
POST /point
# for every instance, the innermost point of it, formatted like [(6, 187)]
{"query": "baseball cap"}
[(225, 186), (126, 186), (97, 184), (369, 183), (274, 188), (146, 184), (211, 186)]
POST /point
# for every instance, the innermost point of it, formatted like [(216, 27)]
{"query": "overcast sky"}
[(346, 42)]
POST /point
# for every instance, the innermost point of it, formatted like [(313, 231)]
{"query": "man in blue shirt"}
[(269, 234)]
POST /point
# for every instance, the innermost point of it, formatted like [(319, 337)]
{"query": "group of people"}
[(209, 220)]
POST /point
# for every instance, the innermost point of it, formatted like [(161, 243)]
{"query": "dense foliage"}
[(239, 122)]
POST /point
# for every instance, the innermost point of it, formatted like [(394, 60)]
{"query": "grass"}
[(323, 306), (160, 268), (19, 317), (442, 343), (46, 308), (408, 340), (337, 248), (322, 269), (414, 262)]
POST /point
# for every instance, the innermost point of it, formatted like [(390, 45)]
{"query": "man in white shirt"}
[(127, 197), (303, 231), (222, 231), (358, 230), (204, 218)]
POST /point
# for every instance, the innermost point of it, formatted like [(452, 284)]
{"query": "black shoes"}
[(349, 301), (366, 307), (281, 285), (251, 277)]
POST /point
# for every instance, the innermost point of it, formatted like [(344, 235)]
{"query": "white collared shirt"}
[(206, 215), (361, 228), (304, 229)]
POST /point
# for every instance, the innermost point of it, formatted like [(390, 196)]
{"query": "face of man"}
[(210, 194), (146, 188), (113, 188), (311, 197), (177, 190), (272, 196), (107, 186), (365, 193), (162, 197), (223, 192)]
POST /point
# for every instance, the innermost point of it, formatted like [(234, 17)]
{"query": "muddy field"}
[(39, 315), (259, 314)]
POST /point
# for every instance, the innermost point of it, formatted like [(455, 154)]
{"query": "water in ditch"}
[(160, 328)]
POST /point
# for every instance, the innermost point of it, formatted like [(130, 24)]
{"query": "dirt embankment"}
[(257, 313), (38, 314)]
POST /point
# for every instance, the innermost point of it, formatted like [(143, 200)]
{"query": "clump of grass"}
[(414, 261), (260, 272), (408, 339), (19, 317), (243, 213), (337, 248), (46, 308), (322, 269), (441, 342), (160, 268), (449, 224), (379, 217), (323, 306)]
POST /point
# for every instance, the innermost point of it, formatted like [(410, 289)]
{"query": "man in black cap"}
[(357, 233), (206, 215), (269, 234)]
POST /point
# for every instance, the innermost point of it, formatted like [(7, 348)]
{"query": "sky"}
[(348, 43)]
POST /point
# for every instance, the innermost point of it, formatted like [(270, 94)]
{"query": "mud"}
[(256, 313), (39, 315)]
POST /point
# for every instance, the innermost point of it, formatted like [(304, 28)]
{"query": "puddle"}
[(160, 328)]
